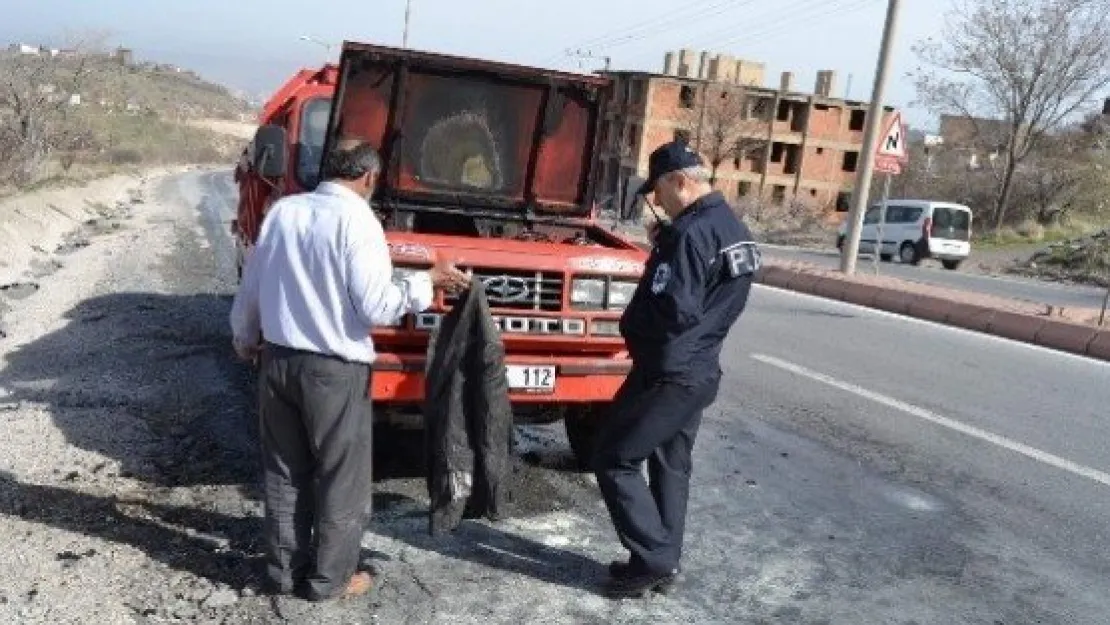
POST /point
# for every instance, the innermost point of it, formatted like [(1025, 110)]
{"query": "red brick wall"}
[(828, 124), (665, 101)]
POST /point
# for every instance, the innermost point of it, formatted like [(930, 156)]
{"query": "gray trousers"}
[(315, 429)]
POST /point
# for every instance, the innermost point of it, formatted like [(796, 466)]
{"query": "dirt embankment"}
[(36, 228)]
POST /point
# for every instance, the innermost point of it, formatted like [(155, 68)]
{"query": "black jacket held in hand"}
[(467, 415)]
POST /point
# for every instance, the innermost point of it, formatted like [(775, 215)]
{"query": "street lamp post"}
[(327, 46)]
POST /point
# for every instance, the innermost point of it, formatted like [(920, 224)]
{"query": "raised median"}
[(1073, 330)]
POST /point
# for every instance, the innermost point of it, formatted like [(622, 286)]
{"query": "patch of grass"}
[(1031, 233)]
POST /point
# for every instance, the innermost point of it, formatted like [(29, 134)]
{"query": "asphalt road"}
[(857, 467), (1031, 290)]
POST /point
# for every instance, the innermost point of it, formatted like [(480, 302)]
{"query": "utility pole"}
[(408, 15), (867, 160)]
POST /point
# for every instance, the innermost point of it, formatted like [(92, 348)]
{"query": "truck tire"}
[(583, 423)]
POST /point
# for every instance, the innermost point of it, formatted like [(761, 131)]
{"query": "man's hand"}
[(246, 352), (446, 276)]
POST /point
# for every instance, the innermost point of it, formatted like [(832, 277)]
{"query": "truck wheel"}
[(582, 425), (951, 265)]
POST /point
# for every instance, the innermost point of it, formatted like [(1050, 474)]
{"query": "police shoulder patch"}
[(661, 277), (742, 259)]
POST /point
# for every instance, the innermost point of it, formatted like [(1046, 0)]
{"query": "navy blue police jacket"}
[(695, 285)]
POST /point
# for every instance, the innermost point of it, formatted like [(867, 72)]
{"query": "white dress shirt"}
[(320, 278)]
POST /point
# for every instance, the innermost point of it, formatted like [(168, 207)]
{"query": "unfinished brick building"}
[(776, 144)]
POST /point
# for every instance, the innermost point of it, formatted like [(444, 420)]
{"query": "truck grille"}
[(520, 290)]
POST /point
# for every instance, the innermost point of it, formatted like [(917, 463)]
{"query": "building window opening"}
[(793, 159), (778, 194), (686, 97), (777, 150), (858, 120), (851, 161), (784, 111)]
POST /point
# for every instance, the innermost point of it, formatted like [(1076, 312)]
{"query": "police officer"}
[(694, 287)]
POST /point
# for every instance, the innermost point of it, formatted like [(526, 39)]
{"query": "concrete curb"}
[(1074, 338)]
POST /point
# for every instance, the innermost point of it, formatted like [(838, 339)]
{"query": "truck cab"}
[(492, 166)]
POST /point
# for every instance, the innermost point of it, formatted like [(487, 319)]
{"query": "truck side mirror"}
[(632, 205), (268, 151)]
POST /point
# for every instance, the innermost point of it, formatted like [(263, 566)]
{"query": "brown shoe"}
[(359, 584)]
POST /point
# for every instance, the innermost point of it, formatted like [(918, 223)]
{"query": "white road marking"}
[(1047, 351), (921, 413)]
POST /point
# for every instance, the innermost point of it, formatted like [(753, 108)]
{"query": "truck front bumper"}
[(399, 379)]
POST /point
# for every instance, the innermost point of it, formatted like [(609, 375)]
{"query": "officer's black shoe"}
[(637, 585), (621, 568)]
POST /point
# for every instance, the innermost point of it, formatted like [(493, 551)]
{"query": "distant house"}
[(75, 99), (22, 48), (974, 132), (125, 56)]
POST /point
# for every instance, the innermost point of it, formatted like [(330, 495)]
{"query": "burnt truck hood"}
[(468, 134)]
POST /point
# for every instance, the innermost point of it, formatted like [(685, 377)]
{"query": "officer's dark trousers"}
[(315, 430), (655, 421)]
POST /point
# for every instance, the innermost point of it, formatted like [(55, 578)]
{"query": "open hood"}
[(471, 135)]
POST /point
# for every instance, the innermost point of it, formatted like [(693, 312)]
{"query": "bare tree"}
[(35, 98), (721, 126), (1034, 64)]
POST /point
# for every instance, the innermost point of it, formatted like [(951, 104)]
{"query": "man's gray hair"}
[(351, 159), (697, 173)]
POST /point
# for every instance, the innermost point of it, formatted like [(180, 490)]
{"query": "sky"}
[(253, 45)]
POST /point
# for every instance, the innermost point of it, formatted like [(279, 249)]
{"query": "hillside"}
[(64, 116)]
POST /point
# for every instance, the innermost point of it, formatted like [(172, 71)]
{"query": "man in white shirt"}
[(319, 278)]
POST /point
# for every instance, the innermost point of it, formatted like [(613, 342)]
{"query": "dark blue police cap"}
[(669, 157)]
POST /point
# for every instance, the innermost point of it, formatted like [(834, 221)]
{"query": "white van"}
[(915, 230)]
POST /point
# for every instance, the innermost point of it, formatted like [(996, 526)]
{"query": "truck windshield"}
[(310, 141)]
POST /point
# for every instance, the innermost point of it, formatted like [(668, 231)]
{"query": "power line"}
[(767, 34), (633, 37), (650, 23), (788, 15), (779, 15)]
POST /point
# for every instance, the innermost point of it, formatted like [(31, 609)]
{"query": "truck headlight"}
[(587, 292), (599, 293), (620, 294)]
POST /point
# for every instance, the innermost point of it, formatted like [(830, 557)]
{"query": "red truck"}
[(493, 166)]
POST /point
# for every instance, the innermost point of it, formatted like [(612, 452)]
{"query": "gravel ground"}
[(121, 501), (129, 490)]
